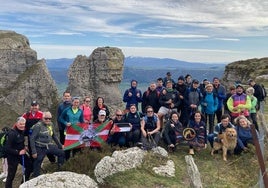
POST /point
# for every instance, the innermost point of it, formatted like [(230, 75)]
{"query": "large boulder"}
[(98, 75), (23, 78), (119, 162), (61, 179)]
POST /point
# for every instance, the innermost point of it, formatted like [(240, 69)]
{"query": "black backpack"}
[(264, 92)]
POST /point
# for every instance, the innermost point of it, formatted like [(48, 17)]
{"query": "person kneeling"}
[(41, 140)]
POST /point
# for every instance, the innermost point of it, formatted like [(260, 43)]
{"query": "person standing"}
[(159, 85), (228, 95), (259, 94), (181, 88), (70, 117), (209, 106), (16, 152), (168, 78), (220, 92), (32, 117), (253, 110), (44, 141), (151, 97), (87, 112), (169, 101), (239, 103), (132, 96), (192, 100), (188, 80), (66, 102), (99, 105)]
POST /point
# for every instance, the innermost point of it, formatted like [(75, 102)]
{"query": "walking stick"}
[(23, 168)]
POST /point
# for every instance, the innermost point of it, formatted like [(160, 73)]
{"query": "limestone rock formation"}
[(61, 179), (118, 162), (131, 158), (98, 75), (243, 70), (166, 170), (23, 78)]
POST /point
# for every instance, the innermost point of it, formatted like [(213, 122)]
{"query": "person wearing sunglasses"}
[(150, 129), (43, 141), (115, 136)]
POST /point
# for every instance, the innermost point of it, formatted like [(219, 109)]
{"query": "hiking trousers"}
[(42, 152), (13, 161)]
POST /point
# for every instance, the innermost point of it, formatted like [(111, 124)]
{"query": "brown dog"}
[(228, 142)]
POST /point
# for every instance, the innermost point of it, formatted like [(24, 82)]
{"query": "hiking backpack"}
[(264, 92), (3, 134)]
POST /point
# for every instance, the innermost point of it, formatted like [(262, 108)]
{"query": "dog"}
[(228, 142)]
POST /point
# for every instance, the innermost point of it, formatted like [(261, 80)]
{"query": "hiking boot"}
[(191, 151)]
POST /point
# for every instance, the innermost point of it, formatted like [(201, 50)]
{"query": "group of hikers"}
[(175, 112)]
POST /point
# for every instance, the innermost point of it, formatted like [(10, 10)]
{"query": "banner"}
[(83, 135)]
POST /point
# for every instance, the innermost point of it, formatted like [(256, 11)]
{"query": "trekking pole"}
[(23, 168)]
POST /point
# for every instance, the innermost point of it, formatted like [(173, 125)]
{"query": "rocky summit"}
[(23, 78), (98, 75)]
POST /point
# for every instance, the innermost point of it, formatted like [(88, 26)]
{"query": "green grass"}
[(239, 171)]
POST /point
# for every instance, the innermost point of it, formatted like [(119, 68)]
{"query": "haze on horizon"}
[(189, 30)]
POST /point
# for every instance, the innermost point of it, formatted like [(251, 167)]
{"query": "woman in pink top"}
[(86, 109)]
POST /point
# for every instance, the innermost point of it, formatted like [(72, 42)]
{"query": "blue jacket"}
[(209, 103), (135, 98), (243, 135)]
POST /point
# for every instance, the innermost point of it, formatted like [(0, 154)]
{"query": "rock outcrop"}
[(131, 158), (98, 75), (61, 179), (23, 78), (256, 69)]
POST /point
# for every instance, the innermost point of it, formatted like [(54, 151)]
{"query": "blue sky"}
[(213, 31)]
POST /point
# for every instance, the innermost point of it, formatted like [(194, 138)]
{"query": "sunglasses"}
[(87, 101), (47, 118), (119, 115)]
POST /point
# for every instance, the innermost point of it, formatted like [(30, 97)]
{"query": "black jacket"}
[(14, 142)]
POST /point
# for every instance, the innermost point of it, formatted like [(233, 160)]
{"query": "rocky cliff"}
[(23, 78), (243, 70), (98, 75)]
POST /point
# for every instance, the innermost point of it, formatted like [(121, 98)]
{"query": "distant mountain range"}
[(144, 62), (145, 69)]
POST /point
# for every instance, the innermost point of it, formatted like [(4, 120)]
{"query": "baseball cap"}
[(195, 81), (102, 113), (34, 103)]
